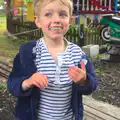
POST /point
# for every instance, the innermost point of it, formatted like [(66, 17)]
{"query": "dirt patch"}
[(7, 104), (108, 75)]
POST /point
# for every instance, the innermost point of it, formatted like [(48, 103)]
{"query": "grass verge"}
[(2, 24), (8, 47)]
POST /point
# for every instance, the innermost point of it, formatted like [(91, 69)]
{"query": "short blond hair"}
[(38, 3)]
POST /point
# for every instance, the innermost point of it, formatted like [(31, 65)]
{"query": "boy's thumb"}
[(83, 65)]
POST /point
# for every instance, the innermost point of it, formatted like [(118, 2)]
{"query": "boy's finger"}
[(39, 83), (43, 82), (36, 84), (75, 70), (46, 79)]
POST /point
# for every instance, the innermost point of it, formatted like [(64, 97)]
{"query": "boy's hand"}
[(76, 74), (37, 79)]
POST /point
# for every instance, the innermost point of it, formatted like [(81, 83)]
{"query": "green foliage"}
[(1, 2), (99, 56), (72, 30), (3, 86), (73, 26), (99, 71), (91, 29)]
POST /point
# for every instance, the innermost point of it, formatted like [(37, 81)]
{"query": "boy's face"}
[(54, 19)]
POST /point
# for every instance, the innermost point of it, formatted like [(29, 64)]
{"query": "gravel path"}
[(108, 75)]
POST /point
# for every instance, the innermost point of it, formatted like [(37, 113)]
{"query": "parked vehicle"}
[(110, 34), (111, 27)]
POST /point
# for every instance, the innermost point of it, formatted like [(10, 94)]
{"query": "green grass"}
[(2, 27), (2, 24), (8, 47), (2, 18)]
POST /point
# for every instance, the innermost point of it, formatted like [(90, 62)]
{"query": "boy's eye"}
[(63, 14), (48, 14)]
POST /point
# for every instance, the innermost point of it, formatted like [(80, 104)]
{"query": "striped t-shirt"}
[(55, 100)]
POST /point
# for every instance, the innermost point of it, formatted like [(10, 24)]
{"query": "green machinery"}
[(110, 34)]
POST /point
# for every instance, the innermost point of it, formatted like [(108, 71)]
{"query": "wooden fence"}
[(92, 35), (23, 31)]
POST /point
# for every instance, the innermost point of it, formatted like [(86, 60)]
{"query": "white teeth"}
[(55, 28)]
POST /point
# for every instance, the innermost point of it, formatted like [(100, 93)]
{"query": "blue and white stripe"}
[(55, 100)]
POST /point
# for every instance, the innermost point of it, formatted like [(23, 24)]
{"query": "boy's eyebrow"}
[(59, 11), (63, 11)]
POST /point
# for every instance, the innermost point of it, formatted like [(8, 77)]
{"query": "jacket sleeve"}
[(15, 79), (23, 68), (92, 80)]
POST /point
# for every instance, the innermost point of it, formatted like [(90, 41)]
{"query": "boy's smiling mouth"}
[(55, 28)]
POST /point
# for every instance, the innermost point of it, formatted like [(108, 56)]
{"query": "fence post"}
[(81, 35)]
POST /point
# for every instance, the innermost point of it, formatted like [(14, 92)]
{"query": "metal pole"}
[(110, 5), (77, 14), (83, 5), (87, 4), (105, 3)]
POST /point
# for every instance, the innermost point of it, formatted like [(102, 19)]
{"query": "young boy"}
[(49, 76)]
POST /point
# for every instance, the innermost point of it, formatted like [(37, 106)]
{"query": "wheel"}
[(105, 33)]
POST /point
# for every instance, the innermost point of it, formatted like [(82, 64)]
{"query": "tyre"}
[(105, 34)]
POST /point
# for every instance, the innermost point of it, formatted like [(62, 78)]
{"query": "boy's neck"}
[(54, 43)]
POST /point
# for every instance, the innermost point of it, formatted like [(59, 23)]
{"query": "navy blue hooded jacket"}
[(24, 67)]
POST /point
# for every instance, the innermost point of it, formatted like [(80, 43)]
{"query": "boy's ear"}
[(36, 19), (71, 20)]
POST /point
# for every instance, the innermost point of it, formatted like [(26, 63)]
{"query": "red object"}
[(97, 3), (15, 12)]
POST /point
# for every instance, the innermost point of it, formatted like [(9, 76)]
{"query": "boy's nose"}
[(56, 19), (57, 22)]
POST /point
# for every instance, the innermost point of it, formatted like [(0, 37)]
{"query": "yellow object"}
[(30, 12), (18, 3)]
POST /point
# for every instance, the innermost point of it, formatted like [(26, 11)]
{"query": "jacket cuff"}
[(15, 89), (89, 87)]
